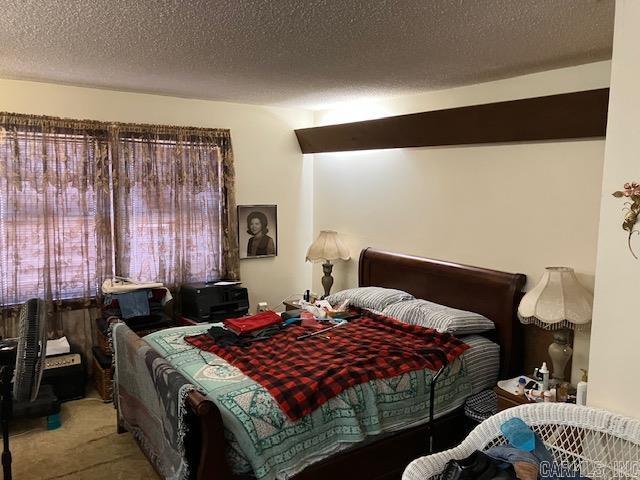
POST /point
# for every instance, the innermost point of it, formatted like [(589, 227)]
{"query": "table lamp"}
[(558, 302), (327, 247)]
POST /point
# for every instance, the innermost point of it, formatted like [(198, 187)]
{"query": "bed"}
[(488, 292)]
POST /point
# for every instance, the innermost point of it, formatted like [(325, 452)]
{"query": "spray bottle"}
[(544, 370), (581, 389)]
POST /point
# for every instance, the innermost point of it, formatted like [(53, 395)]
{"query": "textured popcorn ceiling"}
[(308, 53)]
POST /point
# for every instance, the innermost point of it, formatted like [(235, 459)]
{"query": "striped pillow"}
[(442, 318), (373, 298)]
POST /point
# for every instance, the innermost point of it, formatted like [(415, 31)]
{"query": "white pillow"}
[(373, 298), (440, 317)]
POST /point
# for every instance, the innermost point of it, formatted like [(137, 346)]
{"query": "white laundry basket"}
[(596, 443)]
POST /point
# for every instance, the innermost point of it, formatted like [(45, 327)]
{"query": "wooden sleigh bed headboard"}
[(488, 292)]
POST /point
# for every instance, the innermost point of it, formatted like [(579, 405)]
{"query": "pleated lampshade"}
[(327, 246), (557, 301)]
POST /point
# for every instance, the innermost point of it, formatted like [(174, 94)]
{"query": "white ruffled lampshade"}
[(327, 246), (557, 301)]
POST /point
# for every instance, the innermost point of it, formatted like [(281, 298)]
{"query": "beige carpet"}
[(85, 447)]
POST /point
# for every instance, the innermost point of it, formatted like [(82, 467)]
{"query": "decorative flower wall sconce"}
[(631, 210)]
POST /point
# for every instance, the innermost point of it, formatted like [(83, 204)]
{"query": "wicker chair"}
[(597, 443)]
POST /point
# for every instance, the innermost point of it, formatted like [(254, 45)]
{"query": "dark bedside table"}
[(508, 400), (184, 321)]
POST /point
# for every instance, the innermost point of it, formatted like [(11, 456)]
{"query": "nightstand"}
[(184, 321), (508, 400)]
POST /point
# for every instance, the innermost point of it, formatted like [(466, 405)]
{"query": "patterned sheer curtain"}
[(54, 213), (174, 208), (169, 191)]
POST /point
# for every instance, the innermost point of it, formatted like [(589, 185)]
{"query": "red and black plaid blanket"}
[(303, 374)]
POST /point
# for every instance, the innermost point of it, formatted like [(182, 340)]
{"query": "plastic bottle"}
[(545, 376), (581, 389), (562, 392), (521, 384)]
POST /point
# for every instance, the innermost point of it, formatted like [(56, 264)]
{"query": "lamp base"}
[(560, 352), (327, 279)]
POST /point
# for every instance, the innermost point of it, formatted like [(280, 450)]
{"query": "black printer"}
[(207, 302)]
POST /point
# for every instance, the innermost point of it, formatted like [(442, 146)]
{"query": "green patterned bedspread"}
[(263, 440)]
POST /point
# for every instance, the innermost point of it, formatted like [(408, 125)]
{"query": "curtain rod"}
[(9, 118)]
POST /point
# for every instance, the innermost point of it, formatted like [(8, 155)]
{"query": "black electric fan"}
[(24, 355)]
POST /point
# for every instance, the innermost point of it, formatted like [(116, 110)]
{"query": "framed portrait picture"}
[(258, 231)]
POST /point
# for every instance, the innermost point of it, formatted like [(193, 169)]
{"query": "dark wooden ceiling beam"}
[(554, 117)]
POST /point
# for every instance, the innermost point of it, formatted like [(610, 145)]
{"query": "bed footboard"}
[(147, 393), (205, 440), (206, 444)]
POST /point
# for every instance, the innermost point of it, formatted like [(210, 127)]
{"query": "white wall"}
[(615, 352), (513, 207), (269, 165)]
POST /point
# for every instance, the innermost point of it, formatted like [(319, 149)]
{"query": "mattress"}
[(483, 362), (263, 441)]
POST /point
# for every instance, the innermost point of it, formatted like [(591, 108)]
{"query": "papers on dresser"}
[(58, 346)]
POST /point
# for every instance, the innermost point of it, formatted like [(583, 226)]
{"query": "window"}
[(85, 200), (47, 217), (170, 208)]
